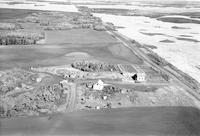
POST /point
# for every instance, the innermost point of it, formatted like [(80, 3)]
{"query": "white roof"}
[(64, 82), (100, 82)]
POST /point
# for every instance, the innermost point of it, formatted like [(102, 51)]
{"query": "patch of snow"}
[(179, 16), (152, 9)]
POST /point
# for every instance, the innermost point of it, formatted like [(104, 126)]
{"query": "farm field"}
[(55, 52), (130, 121)]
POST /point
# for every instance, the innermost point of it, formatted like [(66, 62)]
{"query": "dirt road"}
[(72, 99)]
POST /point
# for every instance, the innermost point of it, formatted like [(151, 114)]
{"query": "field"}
[(60, 43), (14, 13), (53, 53), (80, 36), (129, 121)]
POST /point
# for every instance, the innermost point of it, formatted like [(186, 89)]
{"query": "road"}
[(172, 73), (108, 82), (72, 98)]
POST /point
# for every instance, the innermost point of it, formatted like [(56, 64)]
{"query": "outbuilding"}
[(64, 83), (99, 85)]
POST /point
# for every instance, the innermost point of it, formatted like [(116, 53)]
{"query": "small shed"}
[(64, 83)]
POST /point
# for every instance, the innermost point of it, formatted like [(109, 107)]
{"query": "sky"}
[(123, 0), (112, 0)]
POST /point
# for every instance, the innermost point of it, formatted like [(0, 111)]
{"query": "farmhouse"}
[(99, 85), (132, 72)]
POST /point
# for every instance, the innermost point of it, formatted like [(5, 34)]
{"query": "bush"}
[(111, 90), (94, 67), (21, 20), (10, 26), (49, 28), (40, 99), (35, 14), (2, 111), (20, 38), (32, 19), (87, 26), (44, 23), (110, 26), (99, 27), (87, 20), (60, 26), (63, 26)]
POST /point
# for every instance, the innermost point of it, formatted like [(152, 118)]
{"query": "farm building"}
[(64, 83), (141, 76), (132, 72), (99, 85)]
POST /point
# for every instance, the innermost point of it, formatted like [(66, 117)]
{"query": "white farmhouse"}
[(99, 85), (141, 77), (140, 74)]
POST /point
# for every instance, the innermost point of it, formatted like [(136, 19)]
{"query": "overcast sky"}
[(116, 0), (132, 0)]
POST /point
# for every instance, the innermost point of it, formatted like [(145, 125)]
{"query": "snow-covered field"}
[(183, 54), (38, 6), (149, 8)]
